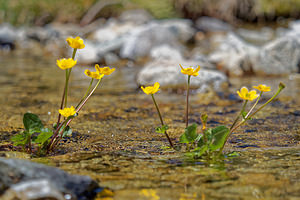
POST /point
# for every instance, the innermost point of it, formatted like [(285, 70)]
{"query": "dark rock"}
[(7, 37), (209, 24), (13, 171)]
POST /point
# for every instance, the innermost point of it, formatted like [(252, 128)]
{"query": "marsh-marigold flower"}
[(66, 63), (67, 112), (190, 71), (246, 95), (94, 75), (263, 88), (76, 43), (151, 89), (104, 70)]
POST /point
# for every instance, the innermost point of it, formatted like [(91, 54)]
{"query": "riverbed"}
[(114, 139)]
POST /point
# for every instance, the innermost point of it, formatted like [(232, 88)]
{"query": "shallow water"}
[(115, 143)]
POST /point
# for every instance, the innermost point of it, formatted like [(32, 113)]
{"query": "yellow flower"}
[(190, 71), (263, 88), (95, 75), (67, 112), (104, 70), (151, 89), (76, 43), (66, 63), (246, 95), (150, 193)]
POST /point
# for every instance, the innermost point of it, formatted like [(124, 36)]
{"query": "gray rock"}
[(209, 24), (7, 36), (142, 39), (281, 56), (32, 190), (261, 36), (112, 30), (182, 29), (138, 16), (110, 58), (235, 55), (14, 171), (168, 74), (89, 54), (166, 52)]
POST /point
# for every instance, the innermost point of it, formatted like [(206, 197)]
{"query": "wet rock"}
[(166, 52), (281, 56), (142, 39), (7, 37), (234, 55), (209, 24), (110, 58), (167, 73), (256, 36), (138, 16), (112, 30), (33, 189), (182, 29), (89, 54), (13, 171), (42, 34)]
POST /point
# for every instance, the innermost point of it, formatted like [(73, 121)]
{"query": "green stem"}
[(66, 86), (187, 102), (237, 118), (88, 90), (68, 121), (253, 105), (281, 87), (161, 120)]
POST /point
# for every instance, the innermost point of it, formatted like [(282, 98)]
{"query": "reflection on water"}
[(117, 125)]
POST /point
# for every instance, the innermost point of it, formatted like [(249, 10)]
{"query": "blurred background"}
[(227, 38)]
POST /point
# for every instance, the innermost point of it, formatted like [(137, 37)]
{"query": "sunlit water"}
[(114, 140)]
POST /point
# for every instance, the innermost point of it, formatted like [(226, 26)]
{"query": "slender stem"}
[(253, 106), (29, 144), (237, 118), (68, 121), (88, 90), (187, 102), (63, 96), (160, 117), (161, 120), (281, 87), (82, 104)]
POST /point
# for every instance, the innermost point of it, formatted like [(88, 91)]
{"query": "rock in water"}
[(281, 56), (168, 74), (21, 172)]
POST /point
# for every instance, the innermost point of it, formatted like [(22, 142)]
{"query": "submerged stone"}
[(21, 172)]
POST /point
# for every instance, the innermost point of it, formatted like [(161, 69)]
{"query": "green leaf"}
[(43, 136), (162, 129), (67, 132), (32, 123), (189, 135), (20, 139), (199, 151), (218, 139)]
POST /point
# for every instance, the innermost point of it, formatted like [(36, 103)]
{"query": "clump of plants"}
[(211, 141), (42, 140)]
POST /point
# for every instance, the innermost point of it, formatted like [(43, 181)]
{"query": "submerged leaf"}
[(189, 135), (219, 135), (20, 139), (43, 136)]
